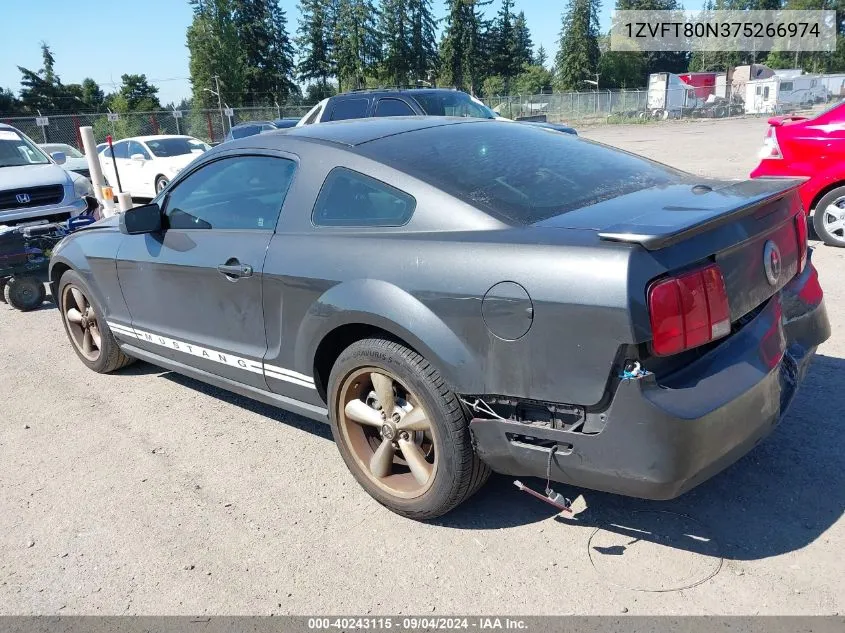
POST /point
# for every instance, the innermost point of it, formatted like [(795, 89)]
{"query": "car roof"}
[(394, 91), (245, 123), (353, 132), (153, 137)]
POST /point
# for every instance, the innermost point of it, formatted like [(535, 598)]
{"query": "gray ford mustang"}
[(458, 296)]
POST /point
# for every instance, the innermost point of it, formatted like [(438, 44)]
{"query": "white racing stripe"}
[(224, 358)]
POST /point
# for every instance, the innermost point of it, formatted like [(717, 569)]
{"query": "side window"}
[(348, 198), (121, 150), (136, 148), (240, 192), (393, 107), (349, 109)]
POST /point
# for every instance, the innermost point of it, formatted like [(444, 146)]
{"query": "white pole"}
[(94, 167), (124, 201)]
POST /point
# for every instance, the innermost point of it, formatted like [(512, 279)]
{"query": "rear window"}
[(520, 173), (350, 109)]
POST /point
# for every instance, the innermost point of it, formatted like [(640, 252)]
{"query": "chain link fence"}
[(209, 125)]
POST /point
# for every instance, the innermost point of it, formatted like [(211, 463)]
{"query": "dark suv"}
[(361, 104)]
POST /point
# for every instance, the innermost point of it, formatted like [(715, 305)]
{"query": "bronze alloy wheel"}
[(81, 321), (388, 432)]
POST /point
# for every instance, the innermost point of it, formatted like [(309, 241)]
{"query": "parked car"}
[(250, 128), (496, 297), (813, 148), (33, 187), (75, 160), (361, 104), (146, 164), (286, 122)]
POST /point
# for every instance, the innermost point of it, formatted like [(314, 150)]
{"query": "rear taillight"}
[(801, 231), (771, 149), (688, 310)]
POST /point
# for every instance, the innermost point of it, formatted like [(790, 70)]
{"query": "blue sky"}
[(103, 39)]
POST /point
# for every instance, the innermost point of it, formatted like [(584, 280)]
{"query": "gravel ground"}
[(144, 493)]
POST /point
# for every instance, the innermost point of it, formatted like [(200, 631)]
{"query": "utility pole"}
[(220, 104)]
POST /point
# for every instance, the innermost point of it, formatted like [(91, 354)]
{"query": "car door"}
[(138, 180), (194, 290), (117, 156)]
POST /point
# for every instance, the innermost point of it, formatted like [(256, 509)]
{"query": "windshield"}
[(452, 104), (521, 173), (165, 147), (70, 152), (16, 151)]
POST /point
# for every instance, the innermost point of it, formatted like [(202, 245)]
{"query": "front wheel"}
[(161, 183), (829, 218), (402, 433), (89, 334)]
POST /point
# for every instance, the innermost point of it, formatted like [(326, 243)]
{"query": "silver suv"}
[(33, 186)]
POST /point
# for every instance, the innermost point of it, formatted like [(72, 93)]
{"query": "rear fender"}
[(388, 307)]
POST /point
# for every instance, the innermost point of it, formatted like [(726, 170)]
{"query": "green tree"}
[(505, 56), (494, 86), (577, 59), (315, 33), (357, 42), (267, 50), (524, 44), (92, 95), (9, 103), (42, 90), (462, 49), (534, 79), (542, 57), (423, 44), (139, 95), (215, 50), (396, 38)]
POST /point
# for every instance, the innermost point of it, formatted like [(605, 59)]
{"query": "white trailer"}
[(668, 95), (777, 93)]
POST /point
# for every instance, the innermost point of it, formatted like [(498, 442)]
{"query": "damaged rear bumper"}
[(664, 437)]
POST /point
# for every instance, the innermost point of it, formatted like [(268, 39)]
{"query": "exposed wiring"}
[(483, 407)]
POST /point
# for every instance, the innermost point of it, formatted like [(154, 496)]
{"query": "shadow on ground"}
[(779, 498)]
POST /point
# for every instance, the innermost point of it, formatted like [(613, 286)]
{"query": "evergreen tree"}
[(315, 41), (266, 48), (92, 95), (462, 49), (357, 42), (423, 43), (396, 37), (505, 56), (542, 57), (215, 49), (524, 45), (9, 104), (139, 95), (577, 59)]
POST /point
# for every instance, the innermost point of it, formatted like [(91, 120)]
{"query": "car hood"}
[(32, 176), (76, 163)]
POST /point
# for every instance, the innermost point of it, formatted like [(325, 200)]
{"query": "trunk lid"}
[(738, 225)]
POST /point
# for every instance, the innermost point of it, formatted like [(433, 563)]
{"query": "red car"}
[(813, 148)]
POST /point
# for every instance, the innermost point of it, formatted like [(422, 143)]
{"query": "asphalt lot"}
[(144, 492)]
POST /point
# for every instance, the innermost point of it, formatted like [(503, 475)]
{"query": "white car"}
[(145, 164), (74, 159)]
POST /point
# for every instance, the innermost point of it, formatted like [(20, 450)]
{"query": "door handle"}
[(235, 271)]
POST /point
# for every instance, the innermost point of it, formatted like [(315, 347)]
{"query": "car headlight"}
[(81, 185)]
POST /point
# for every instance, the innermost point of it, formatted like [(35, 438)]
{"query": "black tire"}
[(110, 357), (837, 236), (161, 183), (2, 289), (24, 293), (459, 472)]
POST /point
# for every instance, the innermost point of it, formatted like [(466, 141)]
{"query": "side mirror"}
[(138, 157), (140, 220), (59, 157)]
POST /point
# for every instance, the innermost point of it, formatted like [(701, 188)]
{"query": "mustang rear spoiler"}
[(671, 225)]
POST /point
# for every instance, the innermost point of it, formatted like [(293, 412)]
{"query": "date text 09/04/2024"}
[(412, 623)]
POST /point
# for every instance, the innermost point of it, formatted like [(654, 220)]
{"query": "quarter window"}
[(240, 192), (352, 199)]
